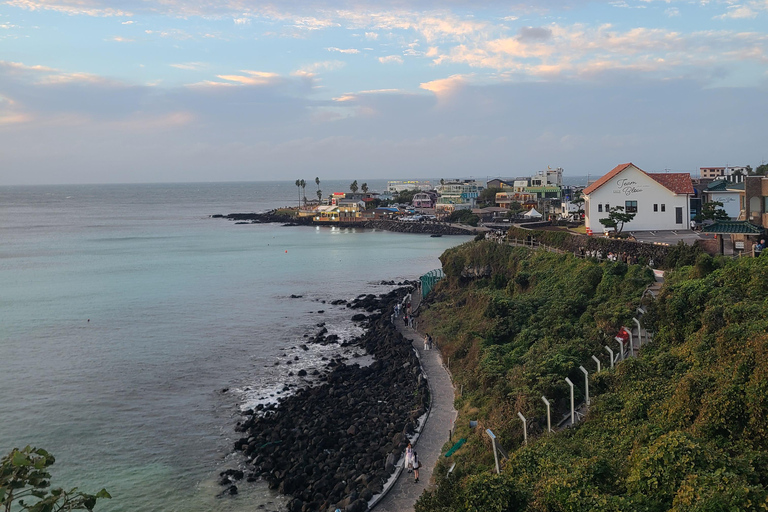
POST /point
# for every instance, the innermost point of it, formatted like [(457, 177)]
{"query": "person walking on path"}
[(409, 457), (426, 342), (416, 465)]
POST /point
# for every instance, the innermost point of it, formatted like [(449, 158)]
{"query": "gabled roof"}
[(717, 185), (677, 182), (605, 179), (732, 226)]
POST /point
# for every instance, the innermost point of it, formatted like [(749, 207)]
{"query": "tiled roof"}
[(677, 182), (717, 185), (732, 227), (602, 181)]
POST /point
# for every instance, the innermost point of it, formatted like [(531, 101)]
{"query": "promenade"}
[(404, 493)]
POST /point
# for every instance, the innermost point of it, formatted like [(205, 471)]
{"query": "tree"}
[(353, 186), (406, 196), (487, 197), (616, 219), (578, 200), (712, 210), (317, 182), (24, 475), (514, 208), (304, 190), (364, 188), (298, 188), (762, 169), (319, 195), (442, 181)]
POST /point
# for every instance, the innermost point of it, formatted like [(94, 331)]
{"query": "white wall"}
[(730, 202), (634, 185)]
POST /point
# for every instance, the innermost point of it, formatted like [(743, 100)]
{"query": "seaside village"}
[(724, 208)]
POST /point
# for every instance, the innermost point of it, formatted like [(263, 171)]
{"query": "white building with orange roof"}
[(660, 201)]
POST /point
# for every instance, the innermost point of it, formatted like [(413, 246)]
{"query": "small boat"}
[(435, 235)]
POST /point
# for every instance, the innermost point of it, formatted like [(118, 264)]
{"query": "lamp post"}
[(621, 343), (598, 363), (573, 409), (549, 420), (525, 428), (586, 383), (611, 354)]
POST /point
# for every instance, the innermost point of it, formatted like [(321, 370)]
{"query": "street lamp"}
[(639, 333), (598, 363), (495, 455)]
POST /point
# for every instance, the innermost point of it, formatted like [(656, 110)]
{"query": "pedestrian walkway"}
[(404, 493)]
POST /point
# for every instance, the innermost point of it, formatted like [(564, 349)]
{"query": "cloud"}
[(343, 50), (391, 59), (253, 78), (672, 12), (129, 22), (120, 39), (445, 86), (534, 34), (371, 36), (738, 12), (190, 66), (87, 8)]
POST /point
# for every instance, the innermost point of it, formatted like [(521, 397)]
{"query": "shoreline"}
[(423, 227), (335, 444)]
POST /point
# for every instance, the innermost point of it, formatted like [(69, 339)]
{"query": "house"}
[(424, 199), (457, 195), (549, 176), (717, 172), (393, 187), (660, 201), (727, 193), (499, 183)]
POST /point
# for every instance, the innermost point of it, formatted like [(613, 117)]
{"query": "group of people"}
[(630, 259), (412, 462)]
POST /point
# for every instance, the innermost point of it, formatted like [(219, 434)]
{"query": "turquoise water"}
[(125, 311)]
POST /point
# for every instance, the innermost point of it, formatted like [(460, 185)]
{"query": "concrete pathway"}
[(404, 493)]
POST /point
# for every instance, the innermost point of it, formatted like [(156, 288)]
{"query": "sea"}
[(135, 328)]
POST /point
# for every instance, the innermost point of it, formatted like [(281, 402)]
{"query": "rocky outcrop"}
[(327, 446)]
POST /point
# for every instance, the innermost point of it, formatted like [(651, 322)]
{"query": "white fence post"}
[(549, 419), (573, 409), (525, 428), (611, 354), (598, 363), (586, 383)]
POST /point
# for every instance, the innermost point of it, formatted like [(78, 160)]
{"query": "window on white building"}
[(607, 207), (600, 208), (663, 207), (656, 207), (630, 206)]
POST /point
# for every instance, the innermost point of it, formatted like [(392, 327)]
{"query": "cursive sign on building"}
[(628, 187)]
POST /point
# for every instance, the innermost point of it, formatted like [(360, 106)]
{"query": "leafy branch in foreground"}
[(24, 475)]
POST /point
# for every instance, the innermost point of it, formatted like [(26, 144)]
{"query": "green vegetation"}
[(487, 197), (683, 427), (405, 196), (712, 210), (464, 217), (25, 482), (616, 219)]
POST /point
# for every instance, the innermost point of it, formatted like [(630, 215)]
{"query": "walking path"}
[(403, 494)]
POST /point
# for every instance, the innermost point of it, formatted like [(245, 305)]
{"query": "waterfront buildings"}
[(660, 201), (457, 195), (393, 187), (718, 172)]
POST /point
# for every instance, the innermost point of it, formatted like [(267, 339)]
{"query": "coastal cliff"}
[(681, 427)]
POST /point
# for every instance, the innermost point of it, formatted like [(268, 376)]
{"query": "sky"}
[(127, 91)]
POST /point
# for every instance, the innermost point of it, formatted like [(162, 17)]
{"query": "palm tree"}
[(319, 195), (353, 186), (317, 182), (364, 188), (298, 187), (304, 190)]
